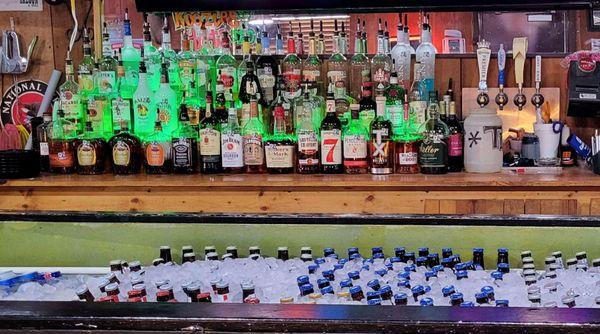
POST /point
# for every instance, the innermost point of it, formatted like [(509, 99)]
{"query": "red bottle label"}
[(455, 145)]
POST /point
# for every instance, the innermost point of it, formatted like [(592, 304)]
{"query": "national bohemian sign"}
[(21, 102)]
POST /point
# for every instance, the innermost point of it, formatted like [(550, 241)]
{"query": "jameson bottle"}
[(267, 70), (232, 146), (184, 145), (157, 151), (455, 141), (331, 140), (307, 134), (407, 145), (144, 111), (355, 144), (91, 149), (381, 147), (209, 144), (253, 132), (433, 151), (367, 105), (125, 151), (280, 147)]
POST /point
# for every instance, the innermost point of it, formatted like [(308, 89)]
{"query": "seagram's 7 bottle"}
[(331, 140)]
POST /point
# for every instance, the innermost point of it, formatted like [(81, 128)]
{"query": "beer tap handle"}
[(519, 56)]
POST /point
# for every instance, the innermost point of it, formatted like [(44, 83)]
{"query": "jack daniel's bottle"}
[(433, 151)]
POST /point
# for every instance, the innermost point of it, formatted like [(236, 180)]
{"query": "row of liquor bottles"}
[(219, 144)]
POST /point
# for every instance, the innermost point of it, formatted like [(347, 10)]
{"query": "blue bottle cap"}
[(462, 274), (319, 260), (497, 275), (503, 266), (430, 274), (333, 256), (354, 274), (399, 249), (404, 283), (377, 249), (412, 267), (481, 295), (433, 255), (423, 249), (372, 294), (467, 304), (395, 259), (338, 266), (400, 296), (327, 273), (385, 289), (417, 290), (328, 250), (426, 288), (56, 274), (456, 296), (352, 249), (306, 287), (421, 259), (456, 256), (478, 250), (373, 283), (323, 281), (448, 290), (327, 289), (375, 301), (365, 267), (346, 283), (461, 266), (343, 261), (426, 301), (409, 254), (502, 250), (355, 289), (378, 256), (502, 302), (447, 260), (302, 279), (404, 275), (354, 256), (488, 290), (312, 267), (446, 250), (368, 260), (381, 272), (389, 266), (437, 268)]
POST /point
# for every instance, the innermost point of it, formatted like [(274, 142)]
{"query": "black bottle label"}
[(182, 152), (433, 154)]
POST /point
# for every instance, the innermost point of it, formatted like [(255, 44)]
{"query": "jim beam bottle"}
[(381, 147)]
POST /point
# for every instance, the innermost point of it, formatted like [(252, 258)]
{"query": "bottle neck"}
[(279, 123), (291, 45), (312, 46), (358, 45), (380, 44), (166, 41), (380, 109), (426, 36)]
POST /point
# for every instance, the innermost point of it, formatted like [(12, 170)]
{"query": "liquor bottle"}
[(280, 147), (360, 67), (292, 69), (257, 48), (311, 69), (331, 140), (186, 62), (70, 99), (381, 64), (220, 101), (184, 145), (407, 145), (122, 102), (337, 70), (43, 135), (249, 86), (232, 146), (267, 70), (151, 57), (280, 101), (61, 149), (209, 143), (144, 111), (226, 65), (425, 55), (193, 104), (131, 57), (367, 105), (401, 53), (455, 141), (253, 134), (98, 107), (203, 71), (165, 100), (300, 41), (355, 144), (107, 77), (418, 101), (91, 152), (433, 151), (170, 58), (84, 71), (307, 134), (158, 151), (279, 43), (242, 69), (126, 151), (381, 147), (394, 97)]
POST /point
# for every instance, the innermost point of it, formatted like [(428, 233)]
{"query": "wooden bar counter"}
[(575, 192)]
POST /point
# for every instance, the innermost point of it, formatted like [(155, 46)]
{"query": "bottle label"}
[(61, 159), (182, 152), (155, 154), (193, 114), (396, 115), (380, 146), (367, 116), (121, 111), (227, 77), (432, 154), (267, 82), (279, 156), (232, 150), (253, 150), (186, 72), (141, 105), (455, 145), (210, 142), (338, 80), (107, 82), (86, 154), (292, 78), (121, 154), (85, 80), (308, 143), (70, 104), (201, 71), (331, 147), (44, 149), (381, 77), (355, 147), (164, 108), (408, 158), (418, 111), (173, 72), (311, 75)]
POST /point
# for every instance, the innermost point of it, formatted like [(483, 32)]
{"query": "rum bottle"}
[(355, 144), (253, 134), (125, 151), (280, 147), (433, 150), (184, 145), (209, 144), (381, 148), (91, 150), (407, 145), (455, 141), (232, 146), (157, 151), (331, 140)]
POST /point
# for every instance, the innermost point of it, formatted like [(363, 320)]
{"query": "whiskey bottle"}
[(307, 134), (157, 151), (126, 152), (209, 144), (43, 134), (91, 151), (381, 148), (232, 147), (280, 147), (355, 144), (61, 150), (253, 133), (407, 145), (433, 150), (184, 145), (331, 140), (455, 141)]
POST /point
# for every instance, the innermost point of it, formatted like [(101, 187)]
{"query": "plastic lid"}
[(375, 301), (462, 274), (404, 283), (501, 302), (188, 247), (306, 287), (447, 290), (354, 256), (467, 304), (346, 283), (323, 281), (327, 289), (355, 289), (282, 249), (354, 274), (487, 290), (302, 279), (400, 296), (456, 296), (327, 272), (373, 283), (412, 267), (381, 272), (502, 250), (417, 289), (426, 301), (497, 275)]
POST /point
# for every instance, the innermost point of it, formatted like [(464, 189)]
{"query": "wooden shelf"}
[(576, 191)]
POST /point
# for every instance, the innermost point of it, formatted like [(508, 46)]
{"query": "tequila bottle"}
[(125, 151), (401, 53), (381, 146), (232, 147), (85, 69), (267, 70), (170, 58), (209, 144), (381, 65), (433, 151), (70, 99), (360, 67), (165, 100), (106, 83), (292, 69), (131, 57), (280, 147), (355, 144), (407, 144), (122, 102), (186, 62), (90, 152), (394, 97), (425, 55), (226, 66), (157, 151), (144, 111), (151, 57), (306, 110), (253, 135), (311, 69), (331, 140), (184, 145)]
